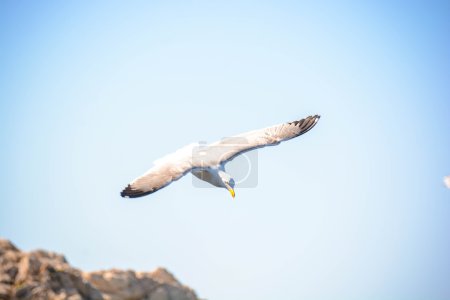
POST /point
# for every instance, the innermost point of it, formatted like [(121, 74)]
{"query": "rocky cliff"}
[(46, 275)]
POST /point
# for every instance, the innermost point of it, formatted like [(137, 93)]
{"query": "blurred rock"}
[(47, 275)]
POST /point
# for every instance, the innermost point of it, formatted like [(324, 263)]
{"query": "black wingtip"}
[(306, 124), (130, 192), (316, 119), (126, 192), (309, 123)]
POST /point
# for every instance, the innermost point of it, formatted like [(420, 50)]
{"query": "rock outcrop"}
[(46, 275)]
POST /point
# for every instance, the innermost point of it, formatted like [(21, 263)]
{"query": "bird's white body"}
[(207, 162), (210, 175), (215, 176)]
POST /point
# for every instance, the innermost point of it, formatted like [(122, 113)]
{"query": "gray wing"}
[(165, 171), (227, 149)]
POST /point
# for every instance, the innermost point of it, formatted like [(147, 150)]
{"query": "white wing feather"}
[(164, 171), (229, 148)]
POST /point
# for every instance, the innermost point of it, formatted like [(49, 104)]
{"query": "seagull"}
[(447, 181), (207, 162)]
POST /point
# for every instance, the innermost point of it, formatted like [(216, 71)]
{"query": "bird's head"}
[(228, 182)]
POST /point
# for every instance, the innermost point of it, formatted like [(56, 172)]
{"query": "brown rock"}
[(6, 245), (116, 284), (47, 275), (161, 275), (5, 291)]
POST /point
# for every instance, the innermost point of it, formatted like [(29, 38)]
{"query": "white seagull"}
[(447, 181), (207, 162)]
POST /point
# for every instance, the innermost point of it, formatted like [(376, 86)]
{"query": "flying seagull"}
[(447, 181), (207, 162)]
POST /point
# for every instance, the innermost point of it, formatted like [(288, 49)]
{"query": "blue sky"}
[(92, 92)]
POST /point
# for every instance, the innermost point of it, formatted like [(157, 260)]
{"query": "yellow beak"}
[(232, 193)]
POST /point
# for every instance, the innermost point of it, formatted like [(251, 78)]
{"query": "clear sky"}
[(92, 92)]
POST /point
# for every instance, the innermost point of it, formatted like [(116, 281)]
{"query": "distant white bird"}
[(207, 161), (447, 181)]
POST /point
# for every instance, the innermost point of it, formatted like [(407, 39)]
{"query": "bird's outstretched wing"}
[(228, 148), (165, 170)]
